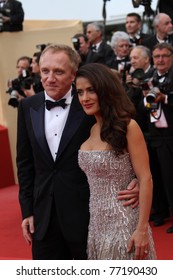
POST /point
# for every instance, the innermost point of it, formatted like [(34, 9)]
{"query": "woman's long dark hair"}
[(116, 109)]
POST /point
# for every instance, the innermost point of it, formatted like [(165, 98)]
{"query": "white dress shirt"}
[(55, 120)]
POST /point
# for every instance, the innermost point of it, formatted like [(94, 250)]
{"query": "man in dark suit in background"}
[(99, 50), (53, 190), (11, 16), (163, 31)]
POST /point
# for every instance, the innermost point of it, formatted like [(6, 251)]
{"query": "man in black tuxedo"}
[(163, 31), (81, 45), (120, 44), (53, 190), (11, 16), (99, 50), (159, 101)]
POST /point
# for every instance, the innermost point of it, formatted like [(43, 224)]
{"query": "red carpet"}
[(13, 246), (5, 165), (12, 243)]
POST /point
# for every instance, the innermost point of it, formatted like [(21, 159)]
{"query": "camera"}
[(76, 43), (139, 80), (41, 47), (4, 11), (138, 74), (16, 86), (152, 94), (154, 91), (137, 3)]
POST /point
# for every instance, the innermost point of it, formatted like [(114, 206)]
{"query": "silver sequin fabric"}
[(111, 224)]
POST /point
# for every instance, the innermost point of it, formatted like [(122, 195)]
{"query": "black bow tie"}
[(159, 77), (51, 104), (93, 47), (134, 40)]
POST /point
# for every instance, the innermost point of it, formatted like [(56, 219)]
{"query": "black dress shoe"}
[(170, 229), (158, 222)]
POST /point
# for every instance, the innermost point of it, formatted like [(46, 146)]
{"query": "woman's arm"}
[(140, 161)]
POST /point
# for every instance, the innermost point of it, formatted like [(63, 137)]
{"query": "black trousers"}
[(160, 202), (55, 247)]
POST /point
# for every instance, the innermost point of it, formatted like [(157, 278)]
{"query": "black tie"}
[(93, 47), (121, 60), (160, 77), (51, 104), (134, 40)]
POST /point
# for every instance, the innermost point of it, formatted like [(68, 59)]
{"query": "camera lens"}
[(138, 74), (152, 95)]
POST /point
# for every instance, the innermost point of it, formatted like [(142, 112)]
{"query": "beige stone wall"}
[(14, 45)]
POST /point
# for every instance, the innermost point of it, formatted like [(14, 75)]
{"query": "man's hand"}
[(5, 19), (29, 92), (130, 195), (28, 229)]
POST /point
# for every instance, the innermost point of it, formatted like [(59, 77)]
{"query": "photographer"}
[(159, 101), (136, 80), (81, 45), (11, 16), (15, 87)]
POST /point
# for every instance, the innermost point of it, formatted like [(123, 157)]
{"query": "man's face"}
[(92, 34), (23, 64), (56, 73), (84, 46), (138, 60), (163, 60), (132, 25), (165, 25), (122, 48)]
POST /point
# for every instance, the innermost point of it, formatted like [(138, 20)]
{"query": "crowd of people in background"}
[(144, 63)]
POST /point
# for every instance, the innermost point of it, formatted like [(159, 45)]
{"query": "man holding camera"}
[(15, 88), (81, 45), (141, 70), (159, 101), (11, 16)]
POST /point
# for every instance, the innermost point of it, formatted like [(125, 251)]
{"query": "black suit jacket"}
[(104, 54), (16, 17), (152, 41), (42, 180)]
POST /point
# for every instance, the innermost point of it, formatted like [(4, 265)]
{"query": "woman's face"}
[(87, 96)]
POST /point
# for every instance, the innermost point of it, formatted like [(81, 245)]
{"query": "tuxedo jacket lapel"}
[(37, 120)]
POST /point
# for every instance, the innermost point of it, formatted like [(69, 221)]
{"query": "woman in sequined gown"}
[(111, 157)]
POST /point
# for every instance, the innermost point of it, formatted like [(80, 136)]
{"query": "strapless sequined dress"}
[(111, 224)]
